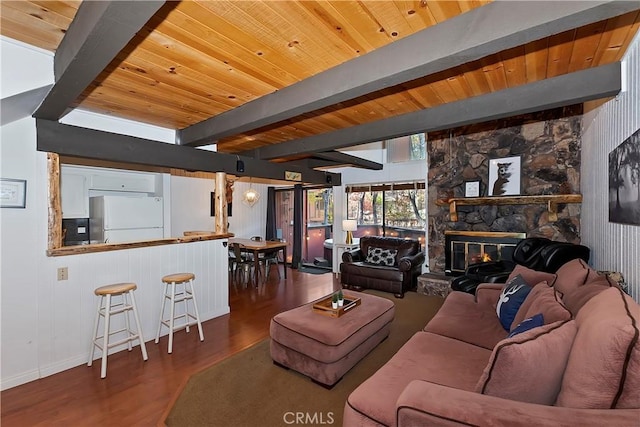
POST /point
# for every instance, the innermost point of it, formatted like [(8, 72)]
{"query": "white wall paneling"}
[(613, 246)]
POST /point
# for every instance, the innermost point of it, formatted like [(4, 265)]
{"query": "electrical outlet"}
[(63, 273)]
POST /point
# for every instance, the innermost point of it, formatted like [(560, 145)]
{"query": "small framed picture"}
[(13, 193), (504, 176), (472, 188)]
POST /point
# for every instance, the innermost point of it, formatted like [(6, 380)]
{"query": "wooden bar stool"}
[(106, 308), (185, 295)]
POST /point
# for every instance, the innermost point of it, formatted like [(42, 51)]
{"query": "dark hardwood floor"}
[(138, 393)]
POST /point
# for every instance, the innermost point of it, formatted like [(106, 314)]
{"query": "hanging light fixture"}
[(251, 196)]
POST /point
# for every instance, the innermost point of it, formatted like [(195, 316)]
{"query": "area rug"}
[(314, 270), (247, 389)]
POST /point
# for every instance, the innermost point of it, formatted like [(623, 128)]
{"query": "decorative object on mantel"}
[(550, 200), (13, 193), (472, 188), (349, 225), (504, 176), (251, 196), (624, 181)]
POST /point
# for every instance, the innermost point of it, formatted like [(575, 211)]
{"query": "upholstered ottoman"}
[(325, 348)]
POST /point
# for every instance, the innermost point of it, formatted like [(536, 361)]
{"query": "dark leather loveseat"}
[(388, 264)]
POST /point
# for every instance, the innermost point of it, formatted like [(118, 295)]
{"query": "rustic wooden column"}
[(221, 203), (54, 206)]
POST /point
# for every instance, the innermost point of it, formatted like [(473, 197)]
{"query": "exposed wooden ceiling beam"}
[(555, 92), (348, 159), (99, 31), (94, 144), (467, 37)]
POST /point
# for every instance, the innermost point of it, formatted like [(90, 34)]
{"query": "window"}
[(406, 148), (397, 210)]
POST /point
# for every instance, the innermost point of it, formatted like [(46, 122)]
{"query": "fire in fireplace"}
[(463, 248)]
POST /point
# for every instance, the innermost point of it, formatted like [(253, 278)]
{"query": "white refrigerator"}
[(121, 219)]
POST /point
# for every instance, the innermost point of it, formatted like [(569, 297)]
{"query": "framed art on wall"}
[(504, 176), (624, 181), (13, 193), (472, 188)]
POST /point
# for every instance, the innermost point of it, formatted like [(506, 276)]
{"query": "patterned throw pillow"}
[(379, 256), (513, 295), (527, 324)]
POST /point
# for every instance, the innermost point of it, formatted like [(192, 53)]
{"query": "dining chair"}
[(271, 258), (243, 264)]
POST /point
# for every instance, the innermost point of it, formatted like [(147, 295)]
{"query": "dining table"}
[(261, 246)]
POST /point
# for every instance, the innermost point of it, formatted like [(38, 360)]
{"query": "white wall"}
[(46, 324), (613, 246), (246, 221)]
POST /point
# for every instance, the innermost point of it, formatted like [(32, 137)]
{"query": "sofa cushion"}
[(511, 297), (524, 307), (380, 256), (577, 298), (571, 276), (464, 319), (545, 300), (528, 367), (532, 276), (426, 357), (603, 371), (527, 324)]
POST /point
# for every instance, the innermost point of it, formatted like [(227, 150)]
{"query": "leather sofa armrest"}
[(352, 256), (425, 403), (408, 262)]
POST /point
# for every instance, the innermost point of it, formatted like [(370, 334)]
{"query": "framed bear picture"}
[(504, 176)]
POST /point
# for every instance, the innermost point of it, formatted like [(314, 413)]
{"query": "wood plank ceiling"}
[(197, 59)]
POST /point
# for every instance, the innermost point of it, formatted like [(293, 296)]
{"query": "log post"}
[(54, 240), (221, 203)]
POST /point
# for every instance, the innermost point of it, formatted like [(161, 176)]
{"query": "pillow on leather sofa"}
[(529, 366), (379, 256), (532, 276)]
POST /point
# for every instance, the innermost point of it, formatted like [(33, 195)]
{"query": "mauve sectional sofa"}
[(580, 368)]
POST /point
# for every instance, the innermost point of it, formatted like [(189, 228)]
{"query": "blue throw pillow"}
[(513, 295), (527, 324)]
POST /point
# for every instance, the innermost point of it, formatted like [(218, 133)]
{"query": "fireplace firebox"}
[(463, 248)]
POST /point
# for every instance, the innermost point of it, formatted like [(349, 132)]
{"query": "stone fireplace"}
[(548, 144), (469, 247)]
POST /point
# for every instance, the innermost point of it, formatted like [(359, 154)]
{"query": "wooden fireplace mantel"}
[(550, 200)]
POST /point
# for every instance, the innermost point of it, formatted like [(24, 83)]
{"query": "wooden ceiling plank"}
[(362, 22), (132, 83), (585, 46), (135, 101), (515, 66), (84, 52), (209, 34), (73, 141), (340, 25), (567, 89), (560, 48), (117, 109), (43, 11), (65, 9), (494, 72), (536, 54), (197, 80), (394, 22), (612, 44), (443, 10), (488, 29), (41, 33), (182, 56)]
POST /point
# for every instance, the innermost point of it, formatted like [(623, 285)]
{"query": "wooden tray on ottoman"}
[(324, 305)]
